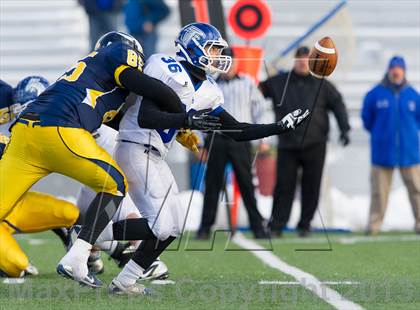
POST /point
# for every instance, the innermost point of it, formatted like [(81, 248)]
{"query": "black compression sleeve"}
[(149, 251), (146, 86), (132, 229), (115, 122), (246, 131), (150, 116)]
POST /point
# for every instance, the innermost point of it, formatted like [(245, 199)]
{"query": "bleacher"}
[(45, 37)]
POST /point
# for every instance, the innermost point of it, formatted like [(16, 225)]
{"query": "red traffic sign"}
[(250, 19)]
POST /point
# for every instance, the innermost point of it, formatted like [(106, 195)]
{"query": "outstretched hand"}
[(201, 120), (292, 120)]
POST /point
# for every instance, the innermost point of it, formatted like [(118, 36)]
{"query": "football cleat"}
[(31, 270), (117, 288), (89, 280), (157, 271), (95, 263)]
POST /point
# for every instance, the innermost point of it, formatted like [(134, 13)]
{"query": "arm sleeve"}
[(150, 116), (143, 85), (337, 106), (368, 112), (245, 131)]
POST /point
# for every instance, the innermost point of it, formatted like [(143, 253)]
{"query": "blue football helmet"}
[(28, 90), (118, 36), (201, 45)]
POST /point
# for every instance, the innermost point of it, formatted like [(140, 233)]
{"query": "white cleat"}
[(117, 288), (74, 264), (31, 270), (78, 267), (157, 271), (89, 280)]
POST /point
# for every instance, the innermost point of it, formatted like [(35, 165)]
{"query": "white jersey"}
[(172, 73)]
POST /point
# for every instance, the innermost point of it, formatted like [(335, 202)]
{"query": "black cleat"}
[(202, 235), (304, 232)]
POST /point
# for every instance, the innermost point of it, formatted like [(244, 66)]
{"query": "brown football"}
[(323, 58)]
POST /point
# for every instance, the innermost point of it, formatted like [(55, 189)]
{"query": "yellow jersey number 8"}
[(134, 60)]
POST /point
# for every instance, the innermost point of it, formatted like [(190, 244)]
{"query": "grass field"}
[(376, 273)]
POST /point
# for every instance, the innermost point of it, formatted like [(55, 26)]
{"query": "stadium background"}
[(46, 37)]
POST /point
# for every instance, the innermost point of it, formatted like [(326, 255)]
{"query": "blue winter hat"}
[(397, 61)]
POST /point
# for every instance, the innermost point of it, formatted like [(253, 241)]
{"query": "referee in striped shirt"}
[(244, 102)]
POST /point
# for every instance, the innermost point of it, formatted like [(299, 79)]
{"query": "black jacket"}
[(300, 94)]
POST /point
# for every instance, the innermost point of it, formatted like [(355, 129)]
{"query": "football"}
[(323, 58)]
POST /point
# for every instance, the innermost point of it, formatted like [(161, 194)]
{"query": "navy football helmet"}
[(118, 36), (29, 89), (201, 45)]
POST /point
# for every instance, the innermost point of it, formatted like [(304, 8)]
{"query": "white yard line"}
[(14, 280), (37, 241), (347, 240), (264, 282), (362, 239), (305, 279), (163, 282)]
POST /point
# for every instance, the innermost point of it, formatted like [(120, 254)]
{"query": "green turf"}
[(388, 273)]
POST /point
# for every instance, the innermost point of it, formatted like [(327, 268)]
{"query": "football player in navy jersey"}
[(53, 134)]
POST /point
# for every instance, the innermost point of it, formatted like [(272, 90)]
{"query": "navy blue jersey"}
[(75, 100), (6, 101), (8, 109)]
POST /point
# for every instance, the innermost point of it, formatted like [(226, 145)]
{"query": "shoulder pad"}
[(167, 69)]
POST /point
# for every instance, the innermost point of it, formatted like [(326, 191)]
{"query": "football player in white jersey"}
[(105, 136), (141, 152)]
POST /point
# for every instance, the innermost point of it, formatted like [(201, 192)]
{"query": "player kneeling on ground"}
[(34, 212)]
